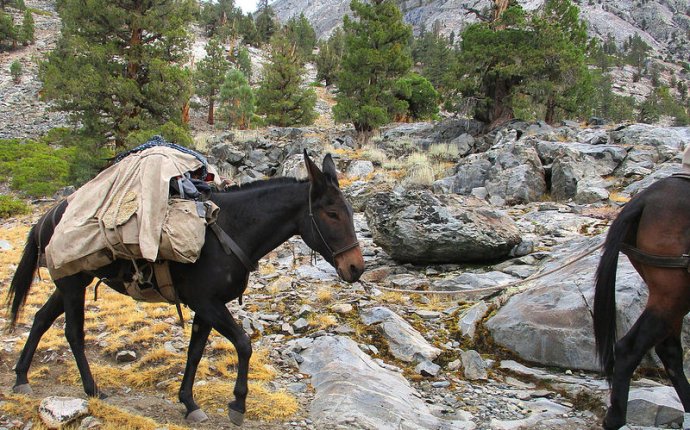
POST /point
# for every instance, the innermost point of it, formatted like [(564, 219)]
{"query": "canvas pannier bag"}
[(184, 229)]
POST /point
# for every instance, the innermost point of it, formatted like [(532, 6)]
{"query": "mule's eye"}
[(332, 214)]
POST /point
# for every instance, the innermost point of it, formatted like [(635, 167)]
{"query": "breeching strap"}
[(680, 262)]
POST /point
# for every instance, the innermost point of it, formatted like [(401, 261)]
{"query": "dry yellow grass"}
[(113, 418), (394, 297), (322, 321), (261, 403), (435, 302), (324, 295), (444, 152), (116, 418), (618, 198)]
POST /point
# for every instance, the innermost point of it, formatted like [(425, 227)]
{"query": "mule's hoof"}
[(608, 426), (236, 417), (197, 416), (100, 395), (23, 389)]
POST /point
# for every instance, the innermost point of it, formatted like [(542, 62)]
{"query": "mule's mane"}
[(263, 183)]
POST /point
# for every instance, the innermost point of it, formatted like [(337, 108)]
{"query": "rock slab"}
[(353, 391), (55, 412), (404, 342)]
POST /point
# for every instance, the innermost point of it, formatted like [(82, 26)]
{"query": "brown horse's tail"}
[(23, 277), (604, 314)]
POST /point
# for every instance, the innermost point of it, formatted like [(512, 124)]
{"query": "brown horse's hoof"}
[(23, 389), (236, 417), (197, 416)]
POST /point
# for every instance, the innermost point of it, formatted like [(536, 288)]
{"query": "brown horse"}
[(259, 217), (653, 229)]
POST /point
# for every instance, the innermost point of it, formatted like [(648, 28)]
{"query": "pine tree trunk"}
[(500, 6), (499, 112), (134, 41), (185, 113), (210, 118), (550, 116)]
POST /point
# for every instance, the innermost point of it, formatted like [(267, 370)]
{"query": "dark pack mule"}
[(653, 229), (259, 217)]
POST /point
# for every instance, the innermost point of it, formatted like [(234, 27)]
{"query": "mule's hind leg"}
[(44, 318), (220, 318), (629, 351), (200, 332), (73, 289), (670, 352)]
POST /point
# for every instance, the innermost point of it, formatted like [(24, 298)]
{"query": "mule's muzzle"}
[(350, 264)]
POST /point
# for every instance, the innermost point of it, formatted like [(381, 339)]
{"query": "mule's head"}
[(330, 231)]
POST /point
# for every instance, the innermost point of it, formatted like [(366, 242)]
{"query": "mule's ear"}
[(329, 170), (315, 175)]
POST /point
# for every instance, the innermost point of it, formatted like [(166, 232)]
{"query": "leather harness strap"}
[(681, 262), (315, 226), (231, 247), (681, 175)]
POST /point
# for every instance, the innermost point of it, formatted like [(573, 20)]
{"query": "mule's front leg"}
[(73, 299), (224, 323), (44, 318), (197, 342)]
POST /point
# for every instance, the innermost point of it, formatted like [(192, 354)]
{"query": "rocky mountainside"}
[(662, 24)]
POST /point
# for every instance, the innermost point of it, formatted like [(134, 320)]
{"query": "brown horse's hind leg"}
[(200, 331), (73, 289), (670, 352), (629, 351), (44, 318)]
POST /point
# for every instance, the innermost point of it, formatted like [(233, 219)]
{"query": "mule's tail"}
[(604, 314), (23, 277)]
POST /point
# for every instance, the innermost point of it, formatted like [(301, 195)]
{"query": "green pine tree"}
[(377, 53), (210, 73), (300, 32), (266, 23), (247, 30), (533, 66), (608, 104), (27, 30), (220, 18), (329, 57), (16, 71), (489, 65), (237, 101), (8, 31), (636, 55), (419, 94), (556, 70), (117, 67), (434, 53), (243, 62), (281, 96)]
